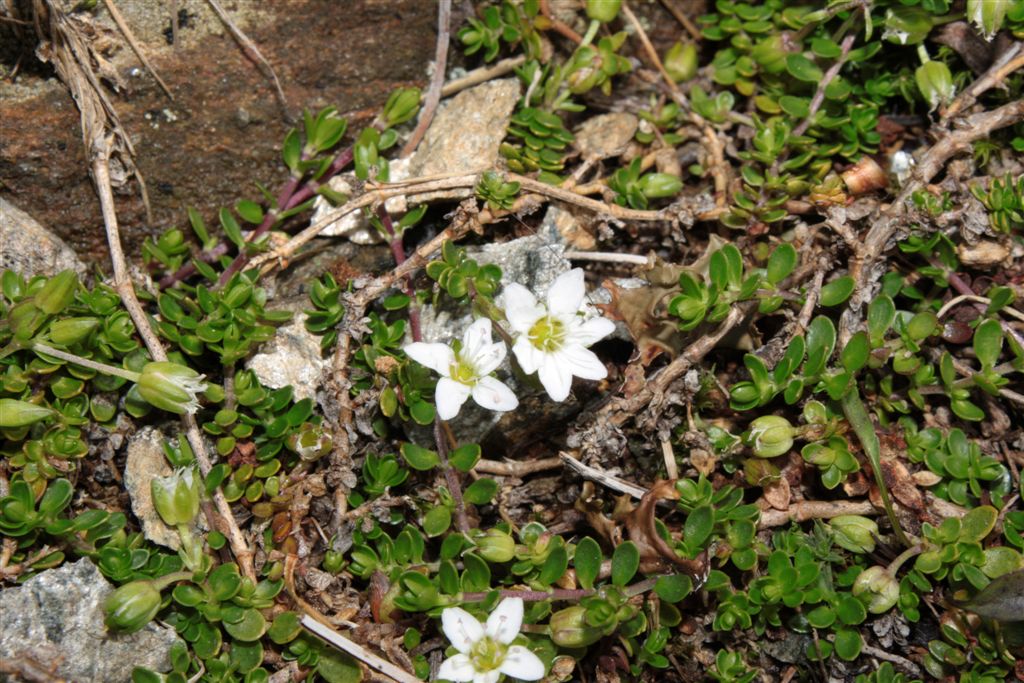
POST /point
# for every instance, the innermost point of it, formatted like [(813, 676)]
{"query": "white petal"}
[(457, 668), (590, 331), (437, 357), (493, 394), (489, 358), (476, 337), (566, 292), (449, 397), (582, 362), (491, 676), (556, 377), (521, 307), (505, 621), (522, 664), (528, 355), (462, 629)]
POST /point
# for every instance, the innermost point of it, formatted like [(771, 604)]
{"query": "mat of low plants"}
[(760, 417)]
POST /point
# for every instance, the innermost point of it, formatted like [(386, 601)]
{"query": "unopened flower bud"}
[(987, 15), (935, 82), (15, 413), (176, 497), (569, 628), (401, 106), (603, 10), (495, 545), (57, 293), (770, 436), (132, 606), (171, 387), (878, 587), (657, 185), (855, 533), (72, 330), (681, 62)]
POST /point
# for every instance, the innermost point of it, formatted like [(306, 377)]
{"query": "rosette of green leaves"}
[(498, 194), (456, 273), (635, 189), (544, 138), (1004, 200), (229, 321), (967, 474), (510, 22), (327, 311), (719, 516), (700, 301), (593, 66)]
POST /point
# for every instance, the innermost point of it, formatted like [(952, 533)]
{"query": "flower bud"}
[(770, 436), (57, 293), (878, 587), (987, 15), (569, 628), (132, 606), (657, 185), (171, 387), (855, 533), (401, 106), (681, 62), (25, 319), (935, 82), (176, 497), (15, 413), (495, 545), (603, 10), (72, 330)]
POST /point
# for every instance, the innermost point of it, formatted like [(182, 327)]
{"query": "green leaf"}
[(481, 491), (465, 457), (673, 587), (437, 520), (554, 566), (988, 343), (881, 314), (231, 228), (978, 523), (587, 561), (419, 458), (286, 627), (625, 562), (848, 644), (803, 69), (698, 526), (855, 355), (250, 211), (1002, 599), (249, 628), (781, 263), (837, 291)]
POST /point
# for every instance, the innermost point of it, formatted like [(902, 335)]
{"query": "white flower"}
[(466, 373), (486, 652), (552, 340)]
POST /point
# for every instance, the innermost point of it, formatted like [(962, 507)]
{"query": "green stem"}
[(591, 32), (165, 581), (858, 417), (910, 552), (86, 363)]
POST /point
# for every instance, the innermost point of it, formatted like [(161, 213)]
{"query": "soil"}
[(224, 128)]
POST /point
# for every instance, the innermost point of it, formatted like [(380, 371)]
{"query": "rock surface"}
[(606, 135), (291, 357), (465, 134), (56, 618), (29, 248)]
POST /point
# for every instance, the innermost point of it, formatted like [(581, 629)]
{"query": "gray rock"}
[(146, 461), (291, 357), (30, 249), (57, 617), (606, 135), (465, 134)]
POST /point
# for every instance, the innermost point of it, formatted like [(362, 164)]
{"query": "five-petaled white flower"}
[(486, 652), (552, 340), (467, 372)]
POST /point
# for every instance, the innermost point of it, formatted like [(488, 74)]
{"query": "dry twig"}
[(126, 31), (430, 102)]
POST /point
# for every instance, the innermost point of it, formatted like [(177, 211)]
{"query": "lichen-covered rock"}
[(57, 618), (606, 135), (291, 357), (30, 249)]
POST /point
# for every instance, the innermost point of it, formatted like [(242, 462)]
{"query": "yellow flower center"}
[(488, 654), (462, 372), (547, 334)]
